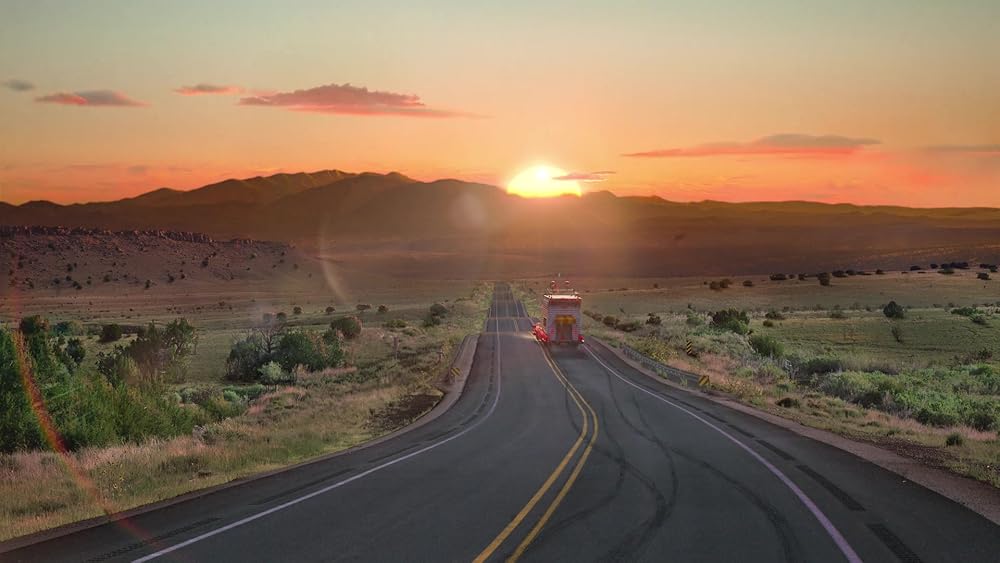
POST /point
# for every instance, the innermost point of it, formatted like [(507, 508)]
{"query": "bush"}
[(383, 309), (75, 350), (33, 325), (349, 327), (271, 373), (297, 349), (110, 333), (838, 313), (654, 319), (296, 310), (821, 365), (768, 323), (747, 283), (954, 439), (69, 328), (787, 402), (732, 320), (609, 320), (330, 310), (362, 307), (438, 310), (766, 345), (245, 358), (628, 326), (779, 277), (395, 323), (966, 311), (893, 310), (774, 315)]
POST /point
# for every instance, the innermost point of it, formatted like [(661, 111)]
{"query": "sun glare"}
[(543, 181)]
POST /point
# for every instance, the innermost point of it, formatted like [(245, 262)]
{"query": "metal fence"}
[(681, 376)]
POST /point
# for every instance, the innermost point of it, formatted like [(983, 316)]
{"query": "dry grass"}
[(324, 412)]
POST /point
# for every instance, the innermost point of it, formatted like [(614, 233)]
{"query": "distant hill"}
[(401, 226)]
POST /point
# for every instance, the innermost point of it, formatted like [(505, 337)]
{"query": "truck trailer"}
[(561, 316)]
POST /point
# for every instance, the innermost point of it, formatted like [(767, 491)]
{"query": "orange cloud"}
[(786, 144), (95, 98), (598, 176), (345, 99), (203, 89)]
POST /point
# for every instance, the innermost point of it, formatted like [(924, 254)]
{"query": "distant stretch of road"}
[(561, 455)]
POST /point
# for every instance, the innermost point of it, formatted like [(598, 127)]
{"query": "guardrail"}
[(682, 377)]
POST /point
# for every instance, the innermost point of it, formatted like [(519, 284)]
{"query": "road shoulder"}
[(974, 495)]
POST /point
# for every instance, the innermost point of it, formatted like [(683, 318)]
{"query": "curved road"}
[(568, 455)]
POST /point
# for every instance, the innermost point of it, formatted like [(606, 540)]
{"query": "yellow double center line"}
[(581, 403)]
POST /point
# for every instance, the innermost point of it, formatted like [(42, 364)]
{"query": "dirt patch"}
[(402, 411)]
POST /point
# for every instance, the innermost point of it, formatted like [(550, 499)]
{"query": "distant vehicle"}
[(560, 322)]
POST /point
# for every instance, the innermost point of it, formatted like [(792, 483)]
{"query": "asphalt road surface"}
[(560, 455)]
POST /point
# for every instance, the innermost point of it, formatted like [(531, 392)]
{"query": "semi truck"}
[(560, 322)]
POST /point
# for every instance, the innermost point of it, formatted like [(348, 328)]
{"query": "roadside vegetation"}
[(140, 417), (903, 364)]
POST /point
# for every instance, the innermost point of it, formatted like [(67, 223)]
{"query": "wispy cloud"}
[(18, 85), (345, 99), (981, 150), (203, 89), (785, 144), (94, 98), (598, 176)]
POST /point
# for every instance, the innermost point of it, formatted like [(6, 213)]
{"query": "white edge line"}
[(831, 530), (293, 502)]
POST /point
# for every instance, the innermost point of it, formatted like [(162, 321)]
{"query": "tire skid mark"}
[(789, 543)]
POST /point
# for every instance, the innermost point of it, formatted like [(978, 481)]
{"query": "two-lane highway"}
[(565, 454)]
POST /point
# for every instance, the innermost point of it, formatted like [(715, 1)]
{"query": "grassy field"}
[(379, 389), (926, 385)]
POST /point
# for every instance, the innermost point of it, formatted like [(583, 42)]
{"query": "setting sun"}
[(543, 181)]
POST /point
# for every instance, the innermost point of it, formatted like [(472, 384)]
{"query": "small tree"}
[(296, 310), (893, 310), (362, 307), (439, 310)]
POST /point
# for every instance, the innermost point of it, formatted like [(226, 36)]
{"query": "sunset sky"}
[(874, 102)]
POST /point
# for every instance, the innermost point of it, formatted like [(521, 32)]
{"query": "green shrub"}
[(35, 324), (110, 333), (271, 373), (774, 315), (894, 310), (349, 327), (75, 350), (245, 358), (954, 439), (609, 320), (438, 310), (767, 345), (69, 328), (395, 323), (822, 365), (383, 309), (966, 311), (768, 323), (732, 320), (297, 349)]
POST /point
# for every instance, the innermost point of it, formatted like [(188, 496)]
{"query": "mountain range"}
[(399, 225)]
